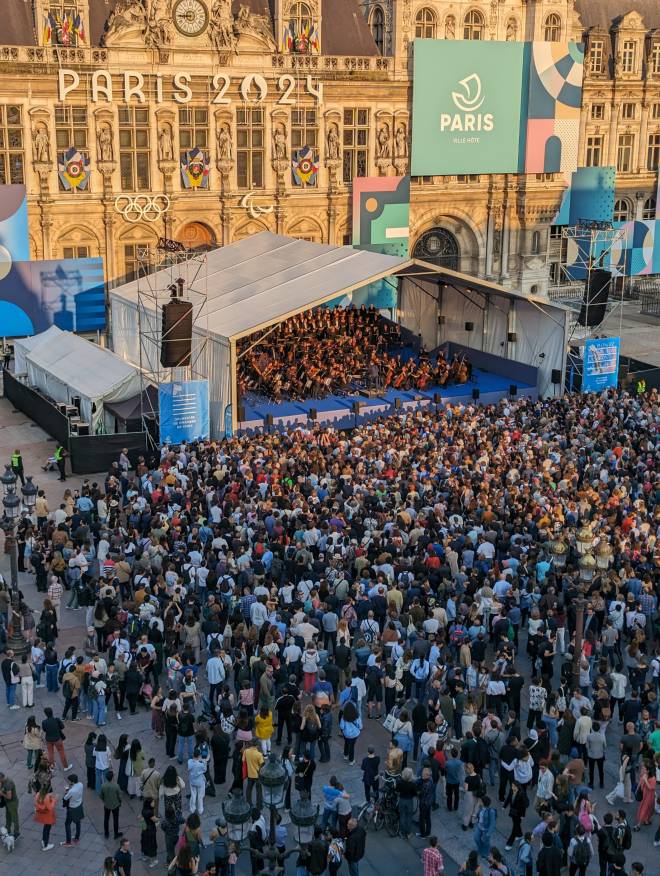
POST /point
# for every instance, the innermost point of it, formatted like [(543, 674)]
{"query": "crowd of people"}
[(283, 592), (337, 350)]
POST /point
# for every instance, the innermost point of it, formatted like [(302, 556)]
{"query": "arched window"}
[(377, 24), (425, 24), (552, 31), (474, 25), (621, 210), (648, 210), (536, 242), (439, 247), (300, 17)]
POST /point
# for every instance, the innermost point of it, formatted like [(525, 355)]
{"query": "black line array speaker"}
[(476, 393), (437, 398), (556, 376), (268, 419), (176, 341), (596, 294), (355, 407), (513, 390), (397, 403), (469, 326), (313, 414), (241, 413), (512, 337)]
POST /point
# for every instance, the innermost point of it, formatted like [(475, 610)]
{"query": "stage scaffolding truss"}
[(588, 246), (159, 269)]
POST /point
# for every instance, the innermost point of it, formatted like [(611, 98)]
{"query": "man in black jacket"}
[(318, 853), (606, 842), (356, 840), (549, 860)]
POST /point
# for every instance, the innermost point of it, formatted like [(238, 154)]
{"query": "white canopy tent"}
[(496, 314), (259, 281), (63, 365), (252, 285), (23, 346)]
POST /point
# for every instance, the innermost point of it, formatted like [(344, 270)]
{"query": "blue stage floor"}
[(337, 409)]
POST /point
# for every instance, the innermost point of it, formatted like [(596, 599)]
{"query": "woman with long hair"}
[(90, 761), (134, 768), (33, 740), (647, 784), (171, 786), (310, 730), (44, 814), (101, 760), (121, 754), (148, 835)]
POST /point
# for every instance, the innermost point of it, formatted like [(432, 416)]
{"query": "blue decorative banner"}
[(601, 364), (184, 411)]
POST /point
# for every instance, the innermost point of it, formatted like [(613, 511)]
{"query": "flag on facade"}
[(195, 168), (304, 169), (73, 170)]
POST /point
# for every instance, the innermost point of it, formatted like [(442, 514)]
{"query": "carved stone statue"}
[(332, 143), (165, 146), (221, 26), (158, 32), (401, 142), (127, 20), (450, 27), (511, 30), (106, 150), (225, 147), (279, 143), (41, 144), (384, 148)]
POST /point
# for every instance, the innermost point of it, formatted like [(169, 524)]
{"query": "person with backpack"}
[(580, 852), (484, 827), (71, 692), (350, 725), (525, 856), (420, 669)]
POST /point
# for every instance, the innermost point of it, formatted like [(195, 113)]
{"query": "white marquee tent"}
[(259, 281), (63, 365)]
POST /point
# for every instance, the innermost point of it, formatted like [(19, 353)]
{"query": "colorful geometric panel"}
[(632, 256), (14, 240), (592, 194), (195, 166), (304, 167), (68, 293), (73, 170), (381, 213), (555, 93)]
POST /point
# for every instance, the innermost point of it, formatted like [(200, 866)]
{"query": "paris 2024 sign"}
[(495, 107)]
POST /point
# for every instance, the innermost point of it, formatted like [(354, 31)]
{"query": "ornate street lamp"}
[(584, 540), (237, 812), (8, 479), (559, 553), (604, 554), (303, 817), (273, 782), (587, 567), (29, 491)]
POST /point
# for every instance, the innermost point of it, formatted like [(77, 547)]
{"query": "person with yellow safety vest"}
[(60, 459), (17, 465), (641, 386)]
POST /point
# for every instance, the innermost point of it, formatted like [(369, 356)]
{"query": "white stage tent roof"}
[(259, 281), (63, 365)]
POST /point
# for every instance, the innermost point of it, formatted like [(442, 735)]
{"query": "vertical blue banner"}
[(601, 364), (184, 411)]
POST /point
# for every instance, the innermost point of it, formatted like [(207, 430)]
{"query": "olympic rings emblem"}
[(147, 207)]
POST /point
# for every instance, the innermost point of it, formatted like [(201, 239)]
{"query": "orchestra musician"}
[(337, 350)]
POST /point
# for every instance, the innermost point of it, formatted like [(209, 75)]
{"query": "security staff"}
[(60, 459), (641, 386), (17, 465)]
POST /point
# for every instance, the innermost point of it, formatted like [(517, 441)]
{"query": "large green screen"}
[(467, 99)]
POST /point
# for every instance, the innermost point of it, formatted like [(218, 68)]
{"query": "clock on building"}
[(190, 17)]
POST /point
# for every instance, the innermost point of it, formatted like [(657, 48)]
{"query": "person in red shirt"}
[(432, 859)]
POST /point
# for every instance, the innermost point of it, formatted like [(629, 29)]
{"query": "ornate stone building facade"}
[(133, 119)]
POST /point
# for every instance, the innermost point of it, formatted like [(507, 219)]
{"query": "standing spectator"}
[(549, 861), (71, 692), (484, 827), (44, 814), (101, 754), (10, 799), (123, 858), (197, 779), (185, 732), (370, 768), (580, 852), (356, 841), (525, 856), (170, 824), (350, 725), (253, 760), (11, 677), (406, 787), (27, 682), (432, 860), (73, 801), (54, 736), (517, 801), (596, 748), (32, 740), (426, 792), (148, 836), (263, 726), (110, 795)]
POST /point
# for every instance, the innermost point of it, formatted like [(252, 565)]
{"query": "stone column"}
[(506, 239), (643, 137), (489, 244)]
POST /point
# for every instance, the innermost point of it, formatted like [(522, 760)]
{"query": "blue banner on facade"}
[(184, 411), (601, 364)]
